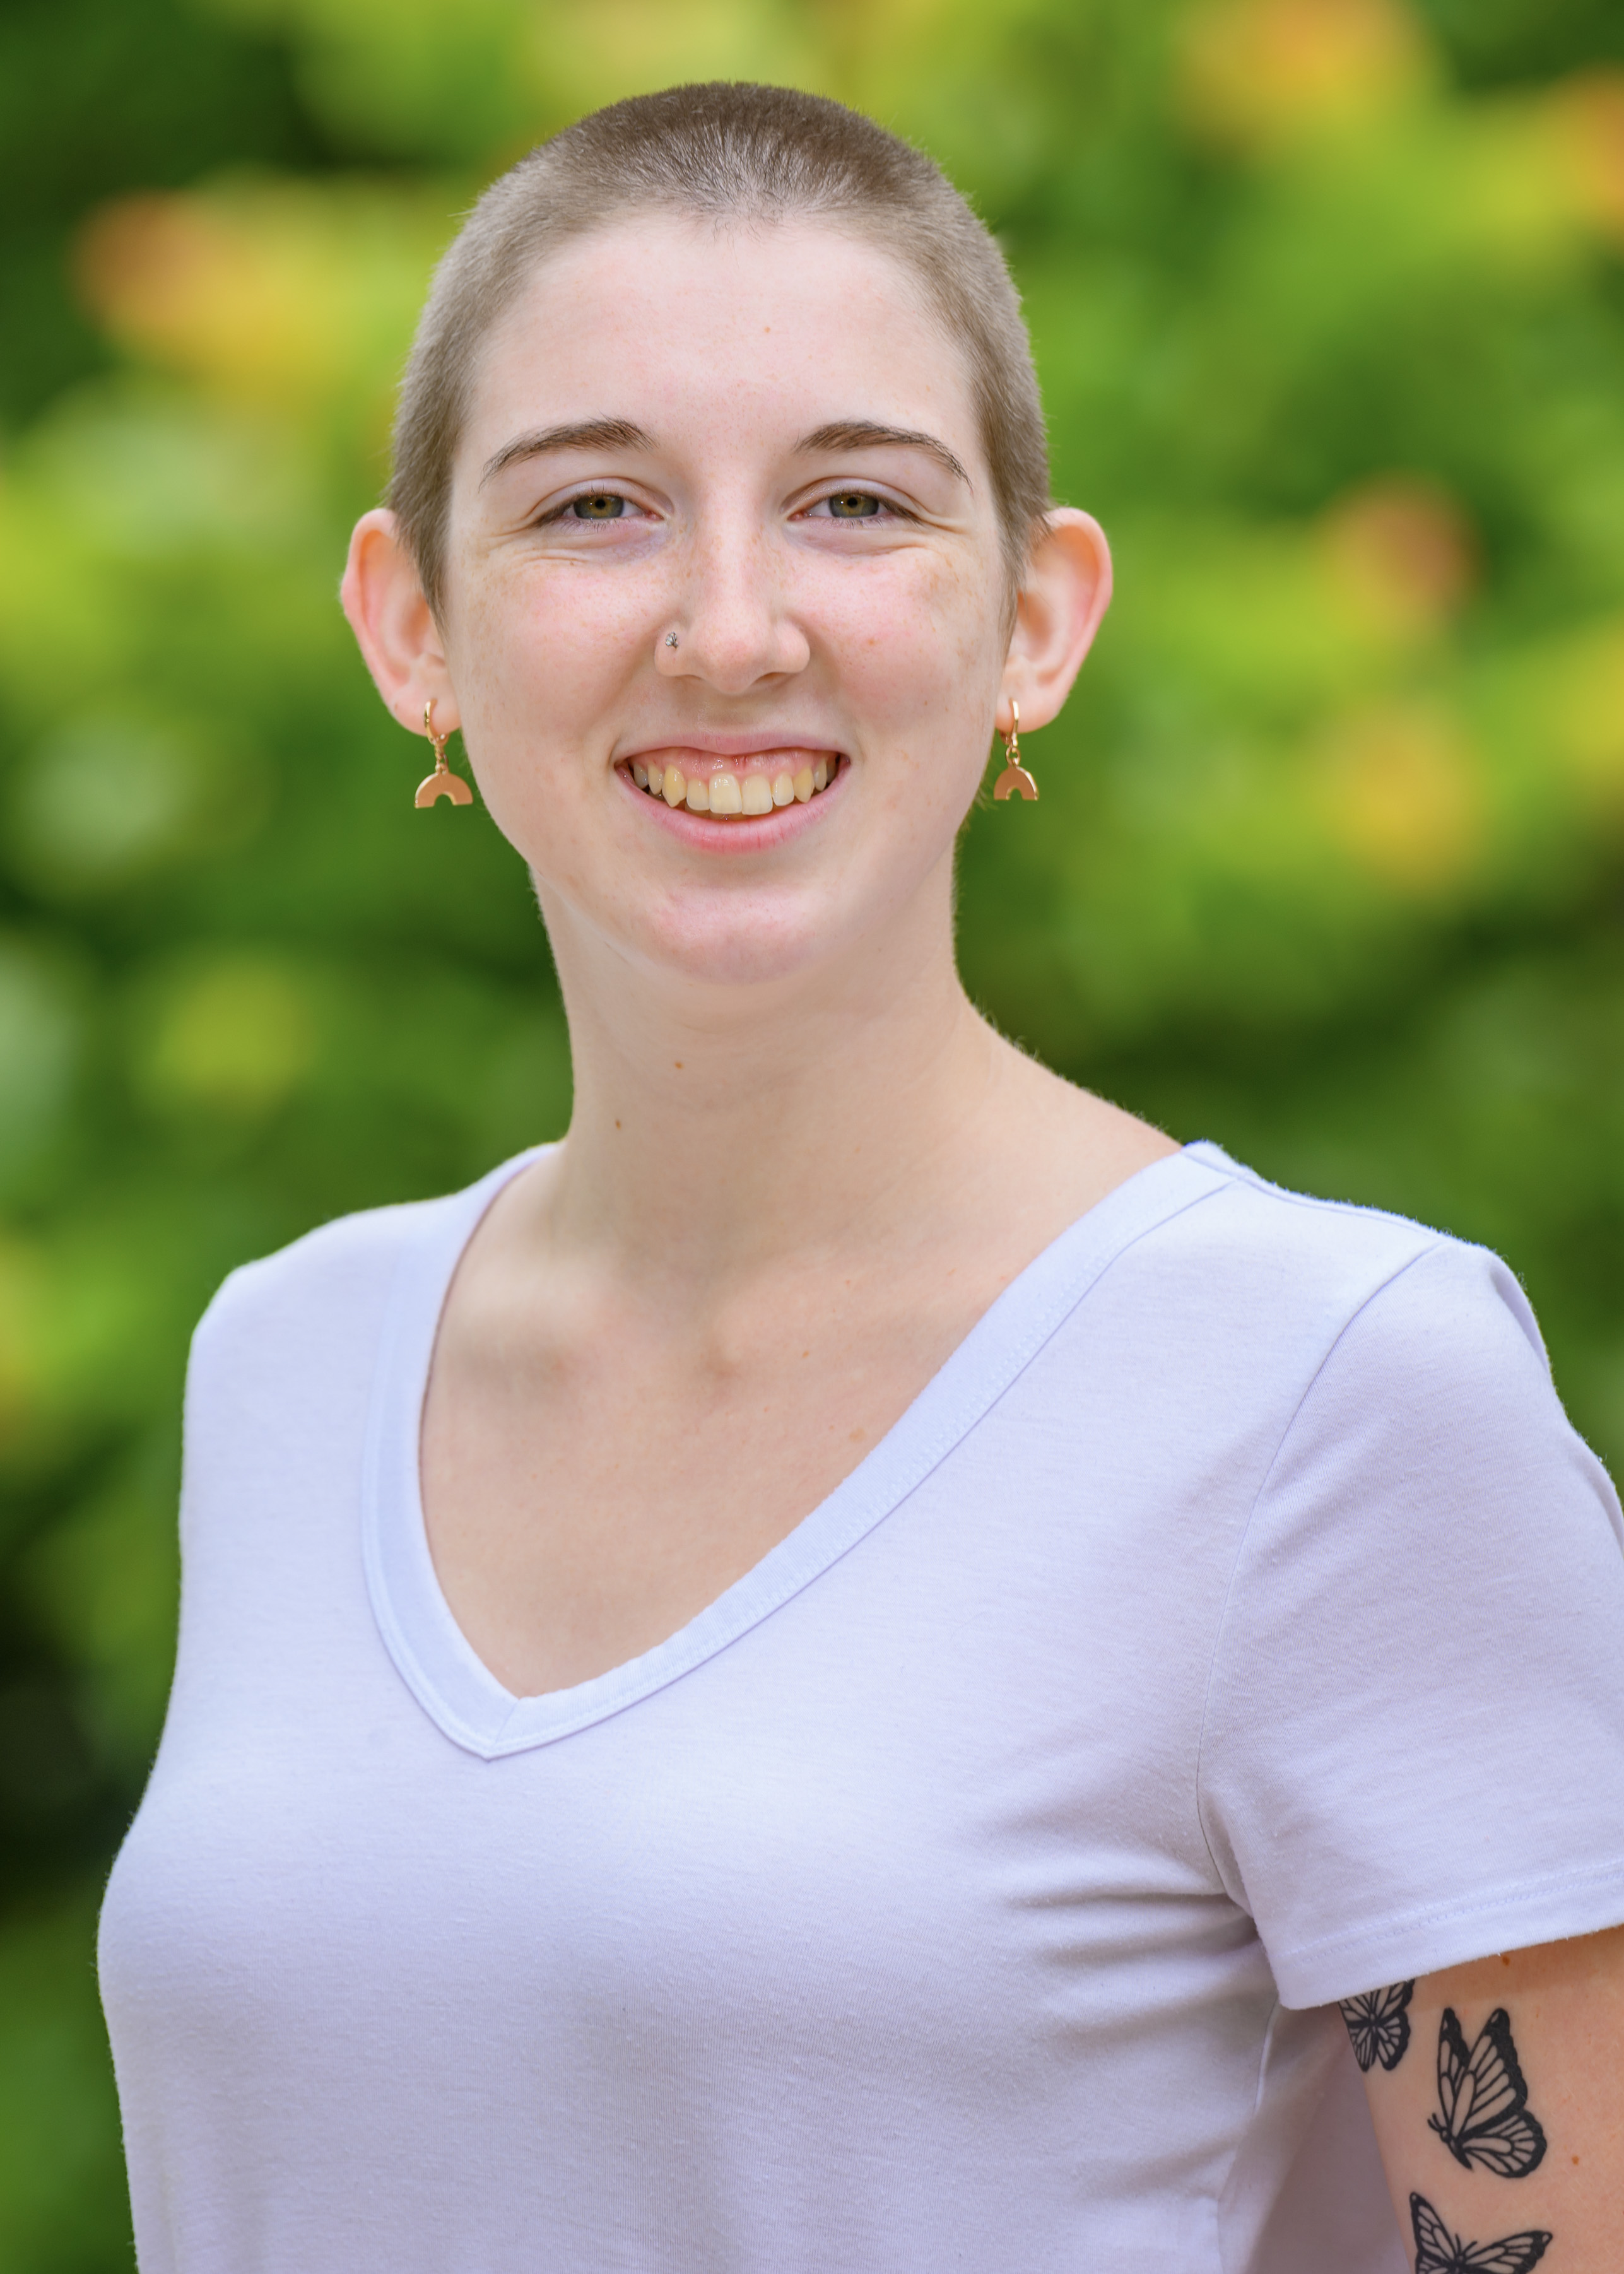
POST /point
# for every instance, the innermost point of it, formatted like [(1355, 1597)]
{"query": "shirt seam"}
[(1435, 1243), (1508, 1895)]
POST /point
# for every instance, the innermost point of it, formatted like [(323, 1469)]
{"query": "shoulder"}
[(285, 1361), (1344, 1335), (337, 1280), (315, 1281), (1412, 1384), (1318, 1279)]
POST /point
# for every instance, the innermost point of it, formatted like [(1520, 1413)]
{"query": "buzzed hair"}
[(722, 152)]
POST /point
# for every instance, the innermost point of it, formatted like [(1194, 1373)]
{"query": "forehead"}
[(736, 328)]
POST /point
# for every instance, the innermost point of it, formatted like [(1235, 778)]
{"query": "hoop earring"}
[(443, 782), (1014, 780)]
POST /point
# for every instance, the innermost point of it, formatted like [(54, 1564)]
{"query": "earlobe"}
[(393, 625), (1063, 599)]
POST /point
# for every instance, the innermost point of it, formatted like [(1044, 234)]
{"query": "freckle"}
[(1575, 2159), (617, 1125), (677, 1064), (857, 1436)]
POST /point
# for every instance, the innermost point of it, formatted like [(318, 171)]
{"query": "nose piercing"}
[(671, 639)]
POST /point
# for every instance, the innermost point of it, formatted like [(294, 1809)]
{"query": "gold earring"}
[(1014, 780), (443, 782)]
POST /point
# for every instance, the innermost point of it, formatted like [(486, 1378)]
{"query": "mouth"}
[(742, 790)]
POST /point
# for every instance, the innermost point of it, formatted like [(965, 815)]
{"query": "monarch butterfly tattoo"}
[(1378, 2025), (1483, 2117), (1439, 2251)]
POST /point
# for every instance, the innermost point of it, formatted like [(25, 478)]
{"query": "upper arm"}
[(1413, 1746), (1497, 2092)]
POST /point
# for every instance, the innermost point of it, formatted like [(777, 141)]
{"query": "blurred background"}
[(1328, 299)]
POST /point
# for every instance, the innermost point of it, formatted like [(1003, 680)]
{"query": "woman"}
[(840, 1670)]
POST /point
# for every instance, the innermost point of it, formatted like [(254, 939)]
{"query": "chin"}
[(724, 930), (716, 939), (754, 947)]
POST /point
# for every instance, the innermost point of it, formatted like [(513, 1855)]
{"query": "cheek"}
[(549, 632), (533, 670), (918, 632), (543, 660), (919, 649)]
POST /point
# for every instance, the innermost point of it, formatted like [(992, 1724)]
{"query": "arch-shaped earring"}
[(443, 782), (1014, 780)]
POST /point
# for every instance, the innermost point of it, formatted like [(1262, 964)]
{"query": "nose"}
[(734, 628)]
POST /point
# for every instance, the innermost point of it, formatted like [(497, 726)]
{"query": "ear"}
[(1065, 591), (384, 600)]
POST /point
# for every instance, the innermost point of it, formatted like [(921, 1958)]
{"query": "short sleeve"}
[(1413, 1750)]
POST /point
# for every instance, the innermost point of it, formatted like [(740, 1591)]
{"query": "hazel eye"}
[(854, 505), (603, 505)]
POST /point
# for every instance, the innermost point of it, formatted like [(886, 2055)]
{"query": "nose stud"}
[(671, 639)]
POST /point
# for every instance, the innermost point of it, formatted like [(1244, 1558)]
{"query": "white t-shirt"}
[(1234, 1625)]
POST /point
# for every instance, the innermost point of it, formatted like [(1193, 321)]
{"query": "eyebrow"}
[(866, 434), (580, 434), (621, 435)]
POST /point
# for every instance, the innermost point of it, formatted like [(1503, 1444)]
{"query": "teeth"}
[(731, 794)]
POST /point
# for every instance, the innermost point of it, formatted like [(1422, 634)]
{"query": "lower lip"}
[(752, 834)]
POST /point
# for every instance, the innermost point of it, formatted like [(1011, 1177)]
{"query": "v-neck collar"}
[(434, 1659)]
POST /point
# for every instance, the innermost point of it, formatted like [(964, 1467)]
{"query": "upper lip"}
[(730, 746)]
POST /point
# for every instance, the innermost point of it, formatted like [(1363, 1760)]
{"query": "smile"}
[(731, 795)]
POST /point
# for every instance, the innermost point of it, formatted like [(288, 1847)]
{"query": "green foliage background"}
[(1330, 318)]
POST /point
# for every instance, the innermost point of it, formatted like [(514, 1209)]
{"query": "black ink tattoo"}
[(1379, 2025), (1439, 2251), (1482, 2112)]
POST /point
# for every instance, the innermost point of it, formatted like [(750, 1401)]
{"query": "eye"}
[(853, 505), (603, 505)]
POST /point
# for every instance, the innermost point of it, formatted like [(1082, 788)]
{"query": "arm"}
[(1496, 2091)]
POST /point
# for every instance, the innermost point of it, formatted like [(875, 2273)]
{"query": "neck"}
[(716, 1128)]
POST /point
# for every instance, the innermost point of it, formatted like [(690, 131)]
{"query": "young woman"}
[(840, 1670)]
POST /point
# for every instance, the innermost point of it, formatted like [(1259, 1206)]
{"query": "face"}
[(725, 623)]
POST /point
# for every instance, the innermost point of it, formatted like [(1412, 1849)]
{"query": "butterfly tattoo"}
[(1439, 2251), (1482, 2115), (1377, 2024)]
